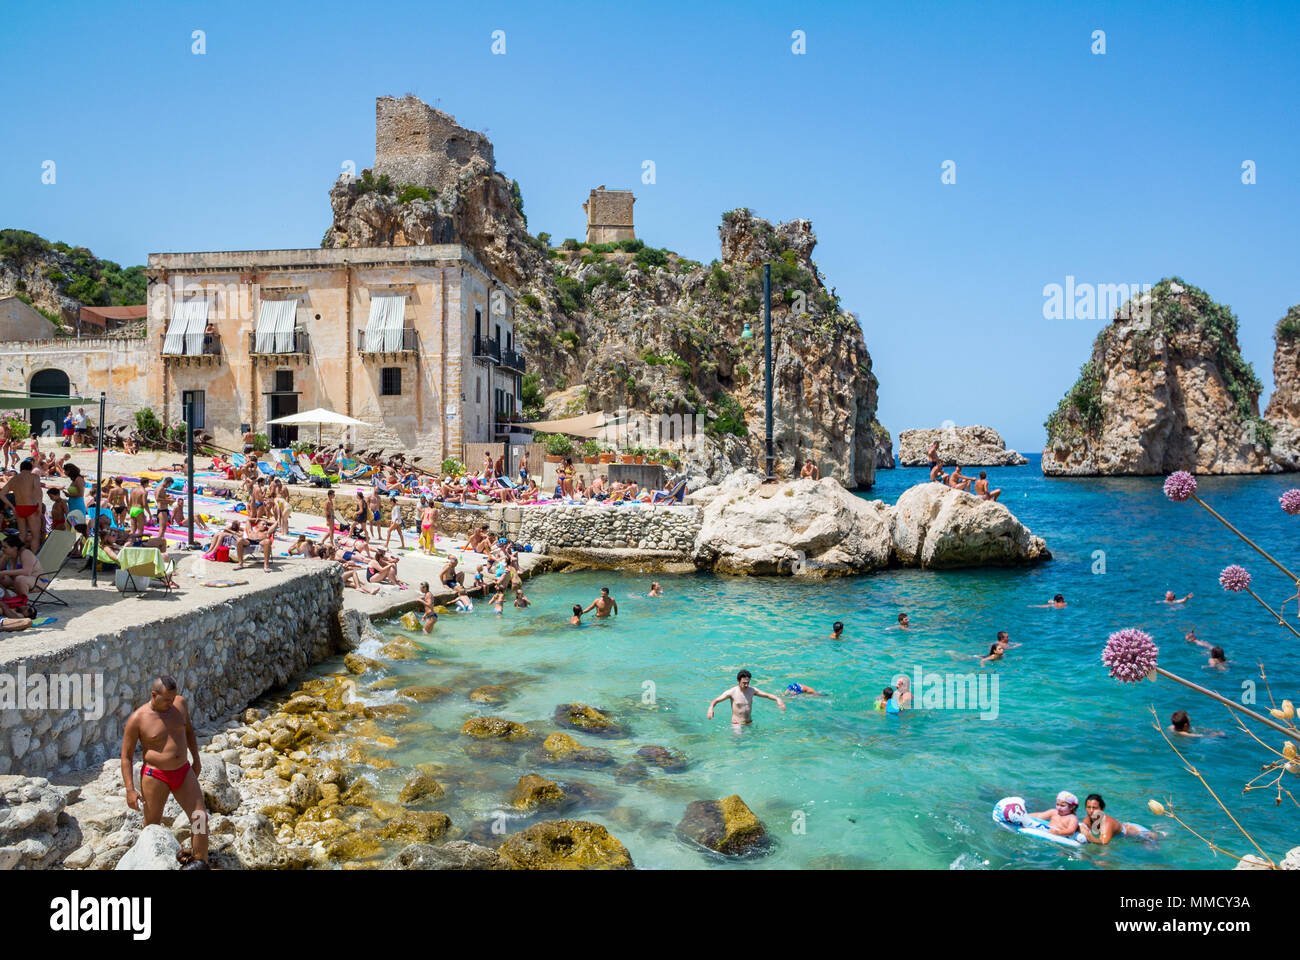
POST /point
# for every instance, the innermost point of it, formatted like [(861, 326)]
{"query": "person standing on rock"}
[(603, 605), (162, 728), (742, 700)]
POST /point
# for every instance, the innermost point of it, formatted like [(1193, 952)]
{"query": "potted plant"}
[(625, 456), (638, 454), (607, 455), (558, 446), (654, 456), (591, 451)]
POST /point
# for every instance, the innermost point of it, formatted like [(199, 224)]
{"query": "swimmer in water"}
[(1180, 722), (498, 600), (1062, 819), (603, 605), (520, 600), (837, 630), (995, 653), (1218, 659), (742, 700), (656, 590), (1004, 640), (904, 622), (430, 616), (576, 619), (1171, 598), (798, 689), (1097, 826), (903, 692), (1057, 603), (887, 703)]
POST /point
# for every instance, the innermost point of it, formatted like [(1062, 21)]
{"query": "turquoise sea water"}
[(840, 784)]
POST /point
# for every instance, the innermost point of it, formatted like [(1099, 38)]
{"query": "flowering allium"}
[(1130, 654), (1290, 501), (1179, 486), (1234, 578)]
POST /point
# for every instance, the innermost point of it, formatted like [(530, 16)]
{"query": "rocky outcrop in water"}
[(812, 528), (975, 446), (1283, 413), (815, 528), (1166, 389), (884, 448), (937, 527), (645, 329), (725, 826)]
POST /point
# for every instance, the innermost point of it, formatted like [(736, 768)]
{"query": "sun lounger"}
[(53, 557)]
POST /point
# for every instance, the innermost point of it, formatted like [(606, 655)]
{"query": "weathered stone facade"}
[(116, 366), (447, 394), (224, 651), (416, 144), (669, 529), (609, 215)]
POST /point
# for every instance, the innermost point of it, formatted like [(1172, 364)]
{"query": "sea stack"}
[(964, 446), (1283, 413), (1166, 389)]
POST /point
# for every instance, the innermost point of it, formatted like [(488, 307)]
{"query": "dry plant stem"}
[(1194, 772), (1226, 702), (1280, 621), (1262, 552)]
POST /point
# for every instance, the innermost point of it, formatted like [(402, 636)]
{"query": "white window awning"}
[(275, 323), (185, 332), (384, 329)]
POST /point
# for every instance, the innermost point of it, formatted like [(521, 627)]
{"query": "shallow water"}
[(840, 784)]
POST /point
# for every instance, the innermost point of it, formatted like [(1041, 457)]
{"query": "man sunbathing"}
[(261, 532)]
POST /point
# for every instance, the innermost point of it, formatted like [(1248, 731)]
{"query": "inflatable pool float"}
[(1011, 813)]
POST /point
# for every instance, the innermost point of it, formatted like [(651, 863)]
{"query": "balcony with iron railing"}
[(295, 344), (409, 343), (486, 348), (512, 360), (207, 346)]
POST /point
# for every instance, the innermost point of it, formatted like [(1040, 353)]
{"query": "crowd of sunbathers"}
[(956, 480)]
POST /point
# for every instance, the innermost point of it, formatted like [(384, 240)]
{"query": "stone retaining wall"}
[(663, 529), (223, 652)]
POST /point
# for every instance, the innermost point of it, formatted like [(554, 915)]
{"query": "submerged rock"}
[(936, 526), (417, 826), (533, 791), (423, 694), (565, 845), (580, 716), (724, 826), (454, 855), (664, 758), (419, 787), (490, 693), (495, 728), (560, 749)]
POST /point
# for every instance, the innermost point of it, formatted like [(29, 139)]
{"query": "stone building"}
[(84, 366), (609, 215), (416, 144), (418, 341)]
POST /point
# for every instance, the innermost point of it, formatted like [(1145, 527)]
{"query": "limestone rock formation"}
[(1283, 413), (811, 528), (934, 526), (454, 855), (1166, 389), (565, 845), (34, 830), (884, 448), (638, 327), (154, 849), (976, 446), (725, 826)]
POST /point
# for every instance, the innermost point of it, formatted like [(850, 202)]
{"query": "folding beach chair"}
[(676, 493), (137, 566), (53, 557)]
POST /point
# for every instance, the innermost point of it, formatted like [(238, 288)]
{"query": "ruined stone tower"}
[(609, 215), (414, 143)]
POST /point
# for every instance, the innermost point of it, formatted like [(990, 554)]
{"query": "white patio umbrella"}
[(320, 416)]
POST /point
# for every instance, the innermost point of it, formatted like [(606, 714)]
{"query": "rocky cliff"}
[(1283, 412), (966, 446), (58, 279), (642, 328), (1166, 388)]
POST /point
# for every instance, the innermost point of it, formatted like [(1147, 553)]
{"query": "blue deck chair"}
[(675, 494)]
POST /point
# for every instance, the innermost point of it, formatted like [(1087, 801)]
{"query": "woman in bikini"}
[(428, 527), (6, 440), (21, 567), (498, 601)]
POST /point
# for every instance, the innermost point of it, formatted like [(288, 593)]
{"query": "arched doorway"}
[(49, 422)]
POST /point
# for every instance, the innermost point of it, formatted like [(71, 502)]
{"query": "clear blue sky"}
[(1124, 167)]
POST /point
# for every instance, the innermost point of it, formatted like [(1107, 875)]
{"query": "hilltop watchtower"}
[(414, 143), (609, 215)]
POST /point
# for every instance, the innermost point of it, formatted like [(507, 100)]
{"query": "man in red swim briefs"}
[(162, 727)]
